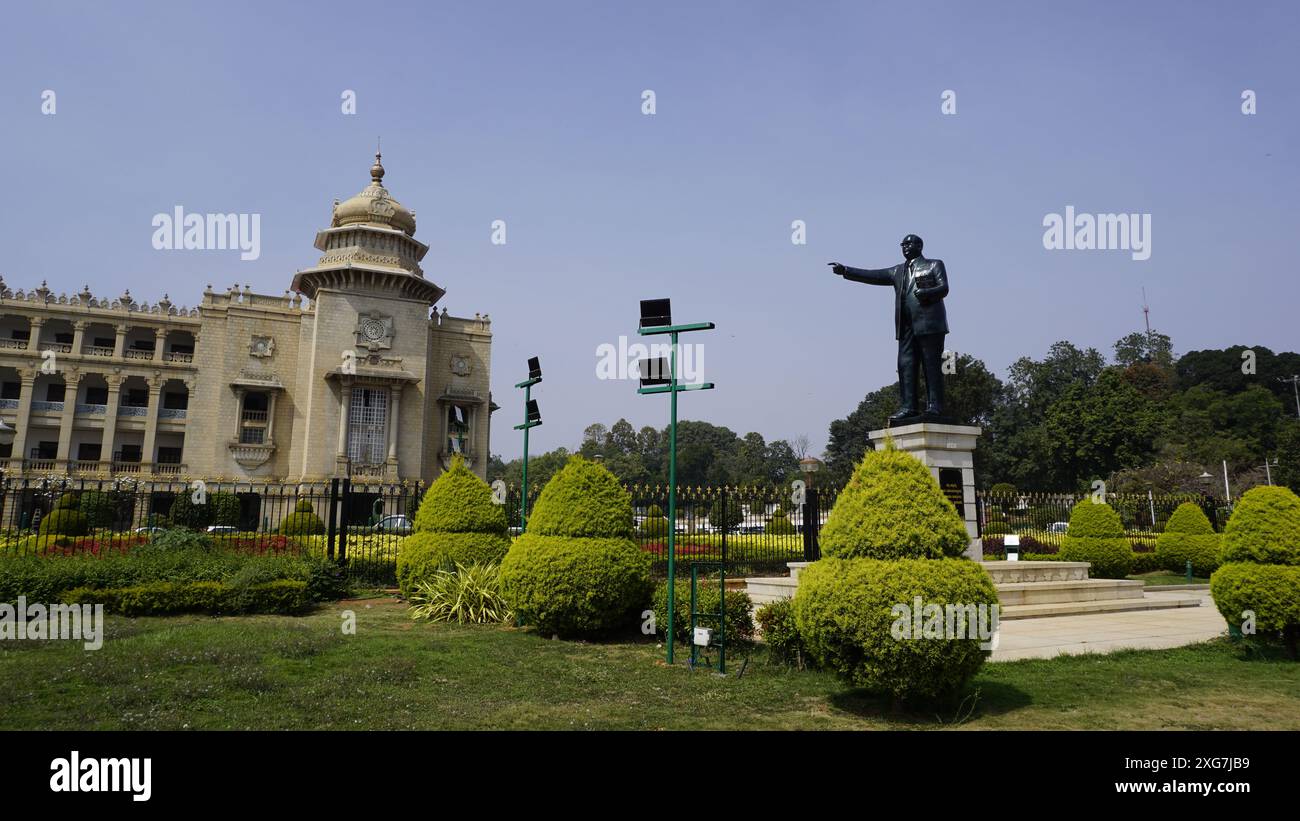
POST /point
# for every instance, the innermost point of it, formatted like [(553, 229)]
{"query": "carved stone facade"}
[(349, 376)]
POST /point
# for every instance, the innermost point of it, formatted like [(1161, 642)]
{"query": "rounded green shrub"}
[(739, 620), (583, 500), (1264, 527), (1003, 489), (1188, 536), (460, 502), (1096, 536), (893, 508), (577, 571), (654, 512), (225, 509), (303, 506), (1260, 574), (67, 501), (99, 508), (778, 526), (64, 521), (302, 524), (422, 554), (654, 527), (847, 614), (781, 635)]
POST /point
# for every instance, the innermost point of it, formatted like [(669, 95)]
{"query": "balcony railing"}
[(38, 464), (9, 403), (132, 410), (59, 347), (168, 469), (171, 413), (178, 357), (14, 344), (255, 416), (126, 467), (47, 406), (86, 466), (95, 350), (367, 471), (92, 410), (132, 353)]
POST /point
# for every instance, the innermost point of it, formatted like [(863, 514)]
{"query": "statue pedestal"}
[(949, 452)]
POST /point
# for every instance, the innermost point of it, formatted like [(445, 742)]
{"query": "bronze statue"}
[(920, 323)]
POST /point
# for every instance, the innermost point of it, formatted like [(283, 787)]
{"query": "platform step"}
[(766, 589), (1082, 590), (1084, 608)]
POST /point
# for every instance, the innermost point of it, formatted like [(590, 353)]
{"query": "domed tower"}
[(377, 400)]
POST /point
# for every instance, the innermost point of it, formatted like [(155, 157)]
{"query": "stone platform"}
[(1029, 590)]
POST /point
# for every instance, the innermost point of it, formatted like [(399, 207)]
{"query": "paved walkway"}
[(1104, 632)]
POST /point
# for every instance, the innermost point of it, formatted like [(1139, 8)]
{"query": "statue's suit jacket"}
[(924, 305)]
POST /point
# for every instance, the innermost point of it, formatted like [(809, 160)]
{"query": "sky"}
[(966, 123)]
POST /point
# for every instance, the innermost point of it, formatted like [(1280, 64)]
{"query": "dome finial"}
[(377, 170)]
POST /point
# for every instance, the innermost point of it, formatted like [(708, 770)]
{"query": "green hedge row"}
[(164, 598)]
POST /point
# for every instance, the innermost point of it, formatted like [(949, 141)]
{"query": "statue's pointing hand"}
[(837, 269)]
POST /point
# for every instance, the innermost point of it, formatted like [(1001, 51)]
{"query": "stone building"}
[(355, 373)]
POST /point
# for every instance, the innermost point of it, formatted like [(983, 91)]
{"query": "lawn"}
[(1163, 577), (283, 672)]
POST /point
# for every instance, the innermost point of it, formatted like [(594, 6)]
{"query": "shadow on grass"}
[(988, 698)]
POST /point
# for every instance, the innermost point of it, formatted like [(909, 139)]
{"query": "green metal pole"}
[(672, 492), (523, 494)]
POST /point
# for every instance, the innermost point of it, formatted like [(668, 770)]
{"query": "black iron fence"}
[(1041, 519), (755, 530), (358, 523)]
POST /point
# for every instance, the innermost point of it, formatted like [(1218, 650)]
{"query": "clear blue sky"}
[(767, 112)]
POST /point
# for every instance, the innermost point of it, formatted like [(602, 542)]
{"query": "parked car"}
[(149, 531), (1058, 527), (397, 523), (220, 529)]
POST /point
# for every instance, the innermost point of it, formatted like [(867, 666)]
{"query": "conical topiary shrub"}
[(457, 523), (889, 544), (1259, 580), (1096, 536), (577, 571), (1188, 536), (892, 508)]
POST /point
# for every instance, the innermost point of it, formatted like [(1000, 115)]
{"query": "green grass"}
[(284, 672), (1160, 577)]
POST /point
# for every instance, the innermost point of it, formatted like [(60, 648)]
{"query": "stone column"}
[(270, 415), (341, 454), (239, 410), (151, 425), (70, 384), (23, 422), (119, 345), (34, 341), (395, 399), (944, 448), (159, 343), (110, 420), (78, 335)]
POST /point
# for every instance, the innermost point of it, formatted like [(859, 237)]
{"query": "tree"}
[(1152, 348)]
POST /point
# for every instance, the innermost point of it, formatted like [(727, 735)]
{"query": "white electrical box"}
[(703, 636), (1012, 543)]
